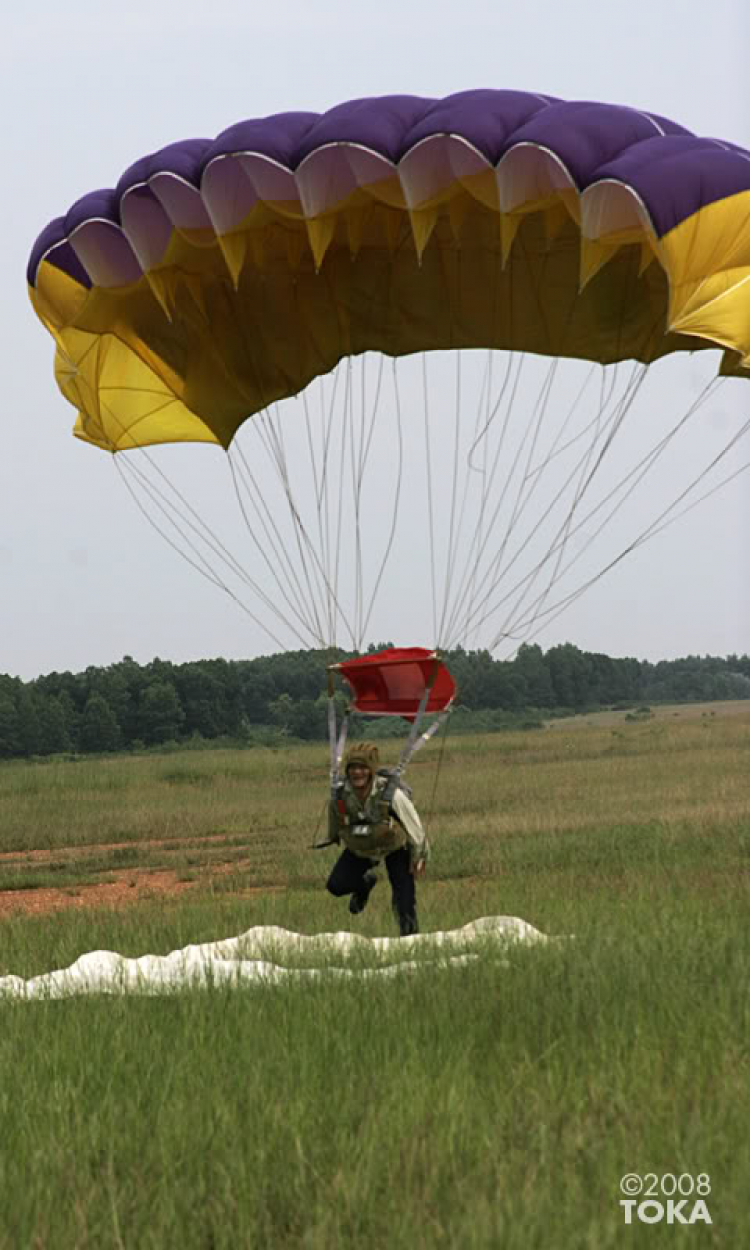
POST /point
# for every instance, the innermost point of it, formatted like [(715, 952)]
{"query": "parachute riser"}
[(337, 743), (336, 738), (416, 740), (411, 750)]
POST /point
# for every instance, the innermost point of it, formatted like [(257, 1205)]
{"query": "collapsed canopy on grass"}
[(221, 275), (250, 960)]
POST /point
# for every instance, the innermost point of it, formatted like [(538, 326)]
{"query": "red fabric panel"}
[(392, 682)]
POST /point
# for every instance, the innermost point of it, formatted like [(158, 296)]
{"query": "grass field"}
[(494, 1105)]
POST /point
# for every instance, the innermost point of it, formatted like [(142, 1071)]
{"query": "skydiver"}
[(376, 820)]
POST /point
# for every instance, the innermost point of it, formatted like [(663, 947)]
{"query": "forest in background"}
[(276, 698)]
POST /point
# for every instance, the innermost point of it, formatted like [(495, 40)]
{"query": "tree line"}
[(127, 706)]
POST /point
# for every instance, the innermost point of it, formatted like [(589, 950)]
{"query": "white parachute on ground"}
[(251, 960)]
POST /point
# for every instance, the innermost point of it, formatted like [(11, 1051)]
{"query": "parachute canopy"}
[(393, 682), (221, 275)]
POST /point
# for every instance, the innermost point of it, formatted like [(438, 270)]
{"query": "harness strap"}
[(386, 812)]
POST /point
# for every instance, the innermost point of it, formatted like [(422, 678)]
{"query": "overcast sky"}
[(88, 87)]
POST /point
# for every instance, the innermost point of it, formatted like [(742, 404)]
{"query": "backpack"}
[(398, 784)]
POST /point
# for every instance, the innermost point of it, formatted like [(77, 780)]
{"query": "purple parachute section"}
[(673, 172)]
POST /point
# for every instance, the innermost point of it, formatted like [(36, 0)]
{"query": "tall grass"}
[(496, 1105), (493, 1105)]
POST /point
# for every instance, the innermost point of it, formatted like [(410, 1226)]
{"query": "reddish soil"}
[(124, 886), (128, 888)]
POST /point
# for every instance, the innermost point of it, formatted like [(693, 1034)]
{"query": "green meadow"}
[(497, 1104)]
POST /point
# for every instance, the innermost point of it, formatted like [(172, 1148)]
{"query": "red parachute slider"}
[(393, 682)]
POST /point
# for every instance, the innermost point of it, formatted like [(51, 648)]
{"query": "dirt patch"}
[(128, 888), (125, 887)]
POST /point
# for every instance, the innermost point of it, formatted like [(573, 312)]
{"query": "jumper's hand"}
[(418, 867)]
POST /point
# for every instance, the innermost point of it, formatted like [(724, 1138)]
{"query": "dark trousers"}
[(347, 877)]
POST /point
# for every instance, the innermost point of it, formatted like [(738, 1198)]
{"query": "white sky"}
[(88, 87)]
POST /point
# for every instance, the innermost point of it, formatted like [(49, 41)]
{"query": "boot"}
[(358, 900), (407, 923)]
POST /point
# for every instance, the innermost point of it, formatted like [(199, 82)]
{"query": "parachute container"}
[(393, 682)]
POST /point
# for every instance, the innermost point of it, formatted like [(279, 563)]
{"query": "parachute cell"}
[(232, 272)]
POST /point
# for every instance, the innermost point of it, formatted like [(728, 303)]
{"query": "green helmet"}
[(365, 753)]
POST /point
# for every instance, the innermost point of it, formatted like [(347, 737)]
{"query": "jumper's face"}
[(359, 775)]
